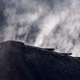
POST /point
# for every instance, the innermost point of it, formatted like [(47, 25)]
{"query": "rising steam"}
[(48, 23)]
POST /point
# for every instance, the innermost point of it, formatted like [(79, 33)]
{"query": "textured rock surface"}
[(23, 62)]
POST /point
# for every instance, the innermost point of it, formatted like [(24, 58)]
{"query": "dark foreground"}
[(22, 62)]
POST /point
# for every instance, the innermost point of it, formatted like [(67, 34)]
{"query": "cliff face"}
[(23, 62)]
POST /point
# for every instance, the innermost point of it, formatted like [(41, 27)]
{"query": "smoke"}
[(48, 23)]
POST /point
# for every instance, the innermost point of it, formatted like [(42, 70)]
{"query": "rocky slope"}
[(24, 62)]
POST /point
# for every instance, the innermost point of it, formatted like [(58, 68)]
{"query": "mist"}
[(48, 23)]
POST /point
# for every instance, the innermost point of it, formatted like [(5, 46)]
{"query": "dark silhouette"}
[(23, 62), (49, 49), (66, 54)]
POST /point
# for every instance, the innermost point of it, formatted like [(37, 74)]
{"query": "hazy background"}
[(43, 23)]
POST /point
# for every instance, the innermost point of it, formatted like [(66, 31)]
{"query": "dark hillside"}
[(23, 62)]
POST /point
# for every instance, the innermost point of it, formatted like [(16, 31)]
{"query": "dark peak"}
[(12, 43), (24, 62)]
